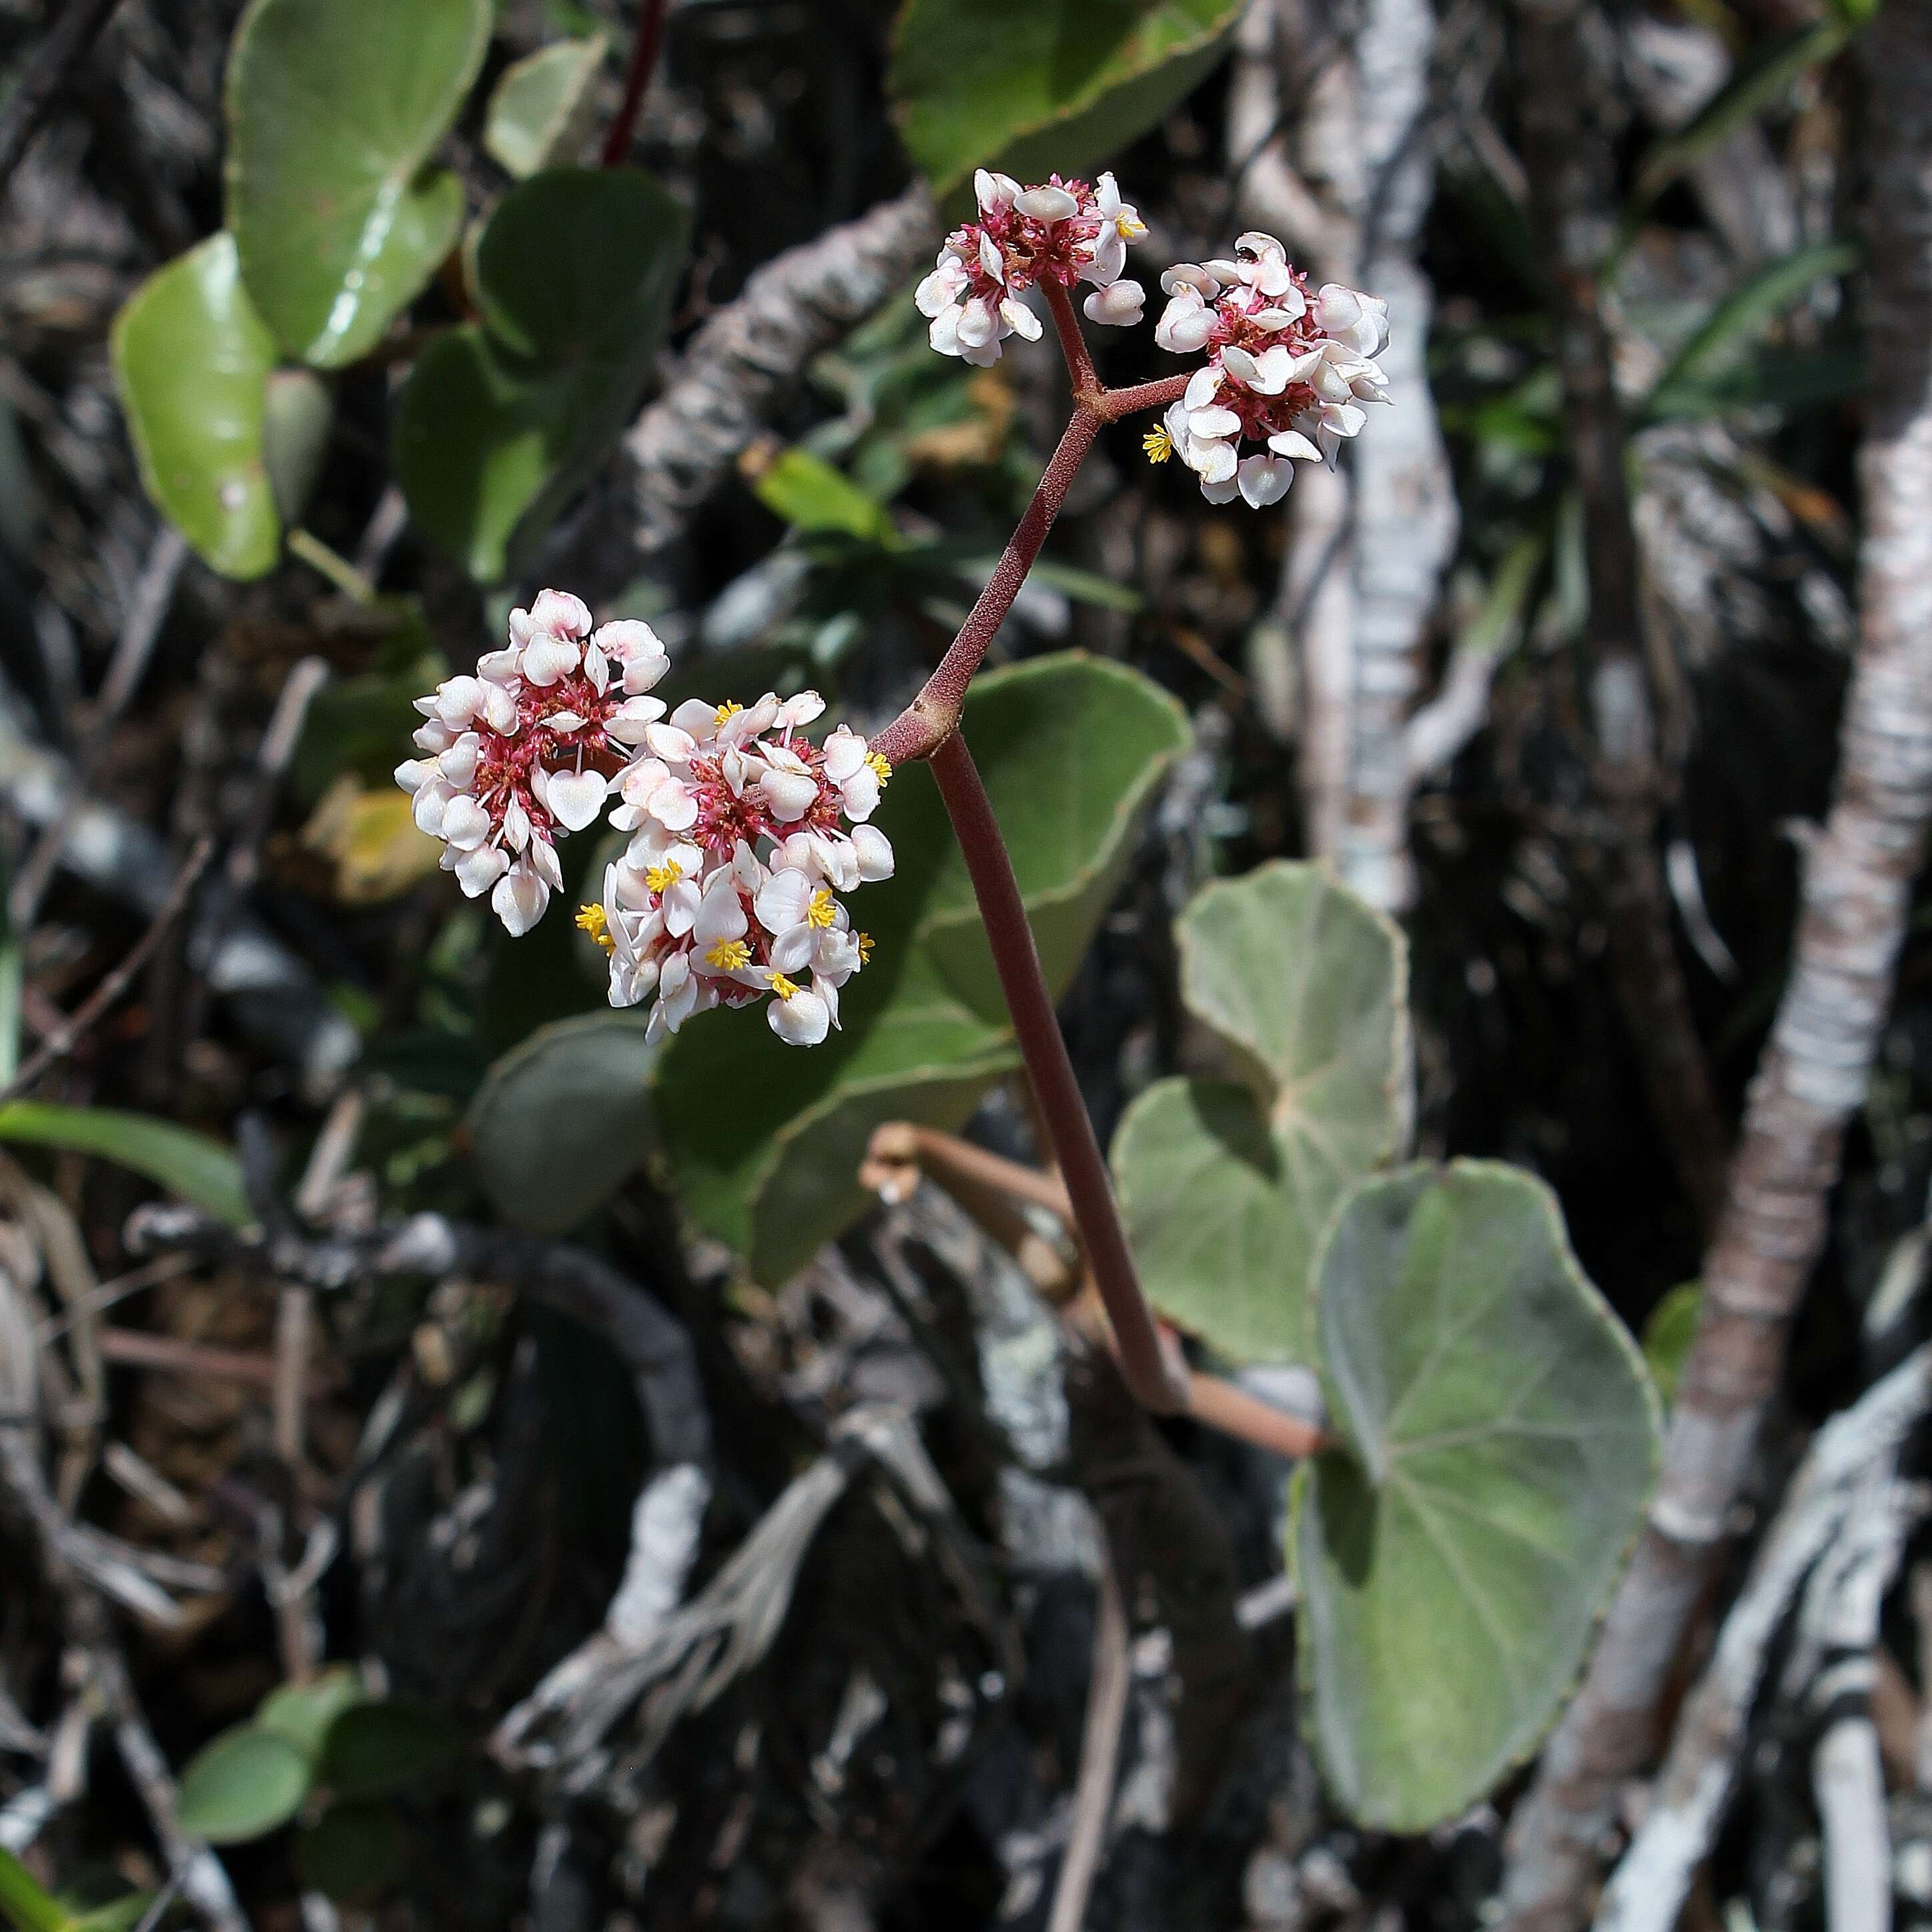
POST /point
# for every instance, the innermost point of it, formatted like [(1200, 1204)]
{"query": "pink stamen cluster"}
[(1061, 231), (742, 832), (1287, 368)]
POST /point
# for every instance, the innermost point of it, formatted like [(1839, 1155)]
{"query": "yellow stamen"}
[(784, 987), (661, 878), (729, 955), (821, 911), (881, 767), (1131, 226), (590, 919), (727, 710), (1158, 444), (864, 948)]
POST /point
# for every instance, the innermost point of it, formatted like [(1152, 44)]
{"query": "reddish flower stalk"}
[(644, 49), (1143, 1362), (928, 728)]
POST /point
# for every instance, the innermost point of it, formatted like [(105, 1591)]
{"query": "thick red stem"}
[(636, 81), (1154, 1381), (918, 730)]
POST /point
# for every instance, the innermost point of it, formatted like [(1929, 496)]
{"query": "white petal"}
[(458, 764), (803, 1020), (1265, 480), (499, 709), (1122, 306), (782, 899), (465, 824), (673, 806), (457, 700), (1292, 442), (805, 707), (1046, 204), (520, 899), (991, 261), (1240, 364), (432, 801), (1020, 320), (845, 753), (874, 851), (560, 612), (668, 742), (412, 774), (944, 334), (792, 950), (1210, 425), (790, 795), (1203, 388), (859, 794), (546, 659), (477, 871), (993, 191), (721, 914), (627, 723), (1187, 274), (576, 798)]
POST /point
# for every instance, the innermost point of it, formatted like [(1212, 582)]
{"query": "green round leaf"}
[(766, 1139), (192, 357), (302, 1713), (1500, 1438), (333, 111), (245, 1784), (1224, 1186), (542, 107), (1037, 87), (563, 1117), (499, 424), (199, 1170), (382, 1749), (351, 1852)]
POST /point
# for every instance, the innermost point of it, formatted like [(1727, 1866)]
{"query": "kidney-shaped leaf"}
[(540, 108), (765, 1137), (562, 1118), (1225, 1185), (1500, 1437), (1038, 86), (248, 1782), (192, 359), (333, 112), (497, 425)]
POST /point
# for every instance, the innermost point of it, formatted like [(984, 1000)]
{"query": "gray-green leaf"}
[(245, 1784), (563, 1117), (192, 360), (498, 424), (1500, 1437), (334, 112), (1225, 1185)]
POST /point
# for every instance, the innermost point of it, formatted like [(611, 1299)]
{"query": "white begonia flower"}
[(1120, 224), (1120, 305), (995, 193), (1347, 315), (799, 1016), (1187, 323), (520, 897)]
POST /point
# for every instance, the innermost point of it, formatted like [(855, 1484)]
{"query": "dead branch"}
[(1858, 879)]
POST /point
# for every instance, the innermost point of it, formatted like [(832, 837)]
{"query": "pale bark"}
[(1346, 186), (1858, 881), (1652, 1883), (755, 349)]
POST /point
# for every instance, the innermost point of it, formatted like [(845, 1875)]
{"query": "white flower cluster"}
[(742, 833), (1286, 368), (1061, 231)]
